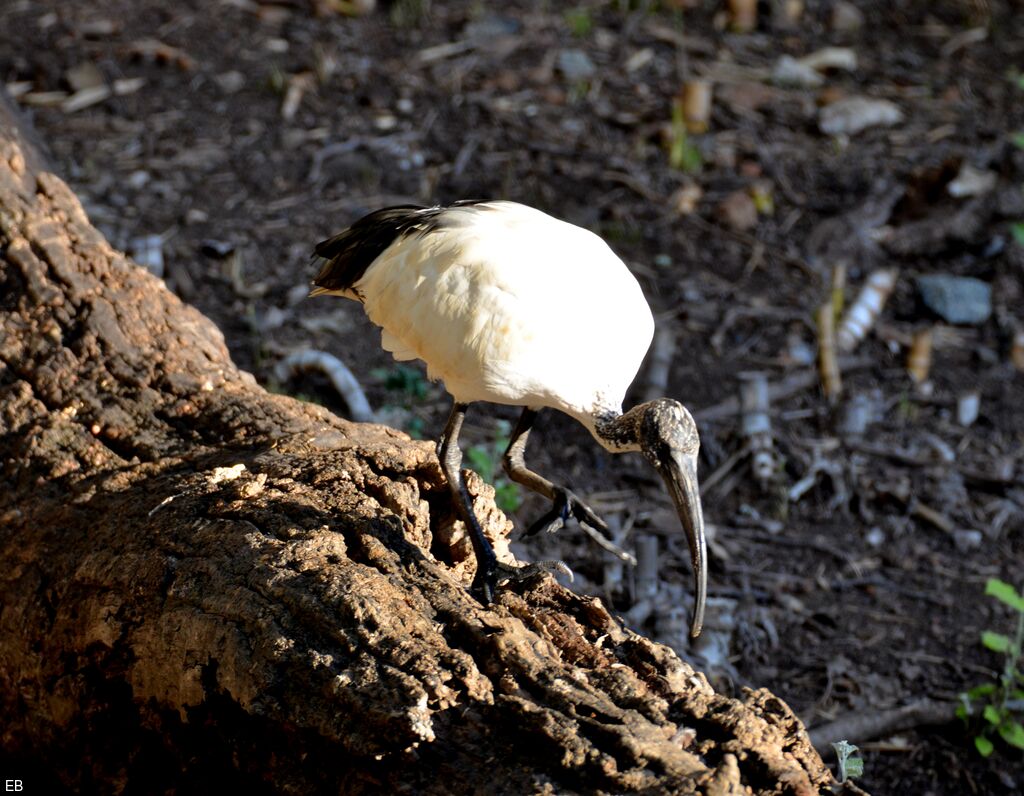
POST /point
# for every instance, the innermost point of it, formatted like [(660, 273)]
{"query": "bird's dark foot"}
[(524, 572), (566, 505), (486, 582)]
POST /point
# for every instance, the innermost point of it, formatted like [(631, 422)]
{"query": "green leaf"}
[(1000, 589), (579, 21), (481, 461), (849, 766), (983, 745), (1018, 138), (1012, 733), (996, 642), (506, 496), (854, 767), (1017, 230), (992, 714), (981, 690)]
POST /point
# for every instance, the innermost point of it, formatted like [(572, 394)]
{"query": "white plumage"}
[(508, 305)]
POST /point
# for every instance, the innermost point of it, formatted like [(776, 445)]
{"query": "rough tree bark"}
[(205, 583)]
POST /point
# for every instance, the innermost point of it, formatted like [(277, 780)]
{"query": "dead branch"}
[(860, 727)]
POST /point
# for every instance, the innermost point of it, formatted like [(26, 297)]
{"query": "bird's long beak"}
[(680, 474)]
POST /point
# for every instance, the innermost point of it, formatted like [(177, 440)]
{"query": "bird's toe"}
[(485, 584), (552, 521), (586, 516), (566, 505), (535, 569)]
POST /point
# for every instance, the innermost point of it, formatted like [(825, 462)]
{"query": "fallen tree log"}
[(206, 583)]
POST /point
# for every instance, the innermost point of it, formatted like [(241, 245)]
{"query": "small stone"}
[(138, 179), (492, 26), (576, 65), (854, 114), (956, 299), (966, 539), (968, 407), (738, 211), (230, 82), (971, 181), (790, 72), (147, 251), (84, 76), (846, 17)]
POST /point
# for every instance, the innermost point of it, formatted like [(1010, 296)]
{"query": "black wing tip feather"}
[(348, 254)]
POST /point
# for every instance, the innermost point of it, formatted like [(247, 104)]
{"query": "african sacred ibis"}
[(506, 304)]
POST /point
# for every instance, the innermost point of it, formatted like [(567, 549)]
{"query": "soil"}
[(241, 133)]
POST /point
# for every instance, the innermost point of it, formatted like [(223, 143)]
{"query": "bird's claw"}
[(487, 580), (567, 504), (485, 584), (532, 570)]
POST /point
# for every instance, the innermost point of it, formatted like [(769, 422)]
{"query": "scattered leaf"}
[(44, 99), (839, 58), (128, 85), (996, 642), (742, 15), (85, 98), (1005, 593), (1012, 733), (162, 53)]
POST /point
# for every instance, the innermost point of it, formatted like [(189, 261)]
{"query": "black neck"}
[(620, 432)]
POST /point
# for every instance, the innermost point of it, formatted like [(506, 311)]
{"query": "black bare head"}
[(668, 439)]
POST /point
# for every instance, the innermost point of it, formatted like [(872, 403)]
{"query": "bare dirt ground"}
[(240, 133)]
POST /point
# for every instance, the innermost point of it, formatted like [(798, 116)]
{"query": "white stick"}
[(339, 374)]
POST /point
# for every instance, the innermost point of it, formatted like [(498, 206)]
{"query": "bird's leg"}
[(566, 504), (450, 454)]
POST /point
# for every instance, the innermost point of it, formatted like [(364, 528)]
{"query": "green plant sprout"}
[(484, 459), (410, 383), (1002, 702), (579, 21), (683, 154), (408, 386), (851, 764)]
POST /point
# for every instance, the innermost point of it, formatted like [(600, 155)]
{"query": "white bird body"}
[(509, 305)]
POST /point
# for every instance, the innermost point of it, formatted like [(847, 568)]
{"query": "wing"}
[(346, 257), (512, 306)]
